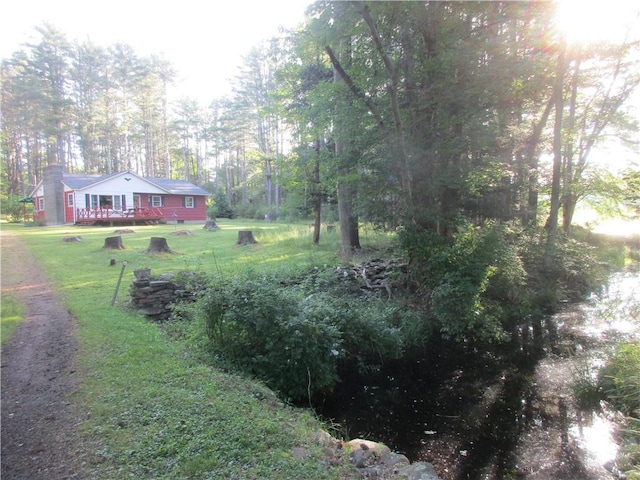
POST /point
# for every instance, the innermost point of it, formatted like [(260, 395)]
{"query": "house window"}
[(117, 202), (156, 201), (70, 200), (106, 201), (189, 202), (41, 204)]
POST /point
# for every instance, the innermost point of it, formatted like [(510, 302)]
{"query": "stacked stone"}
[(377, 274), (153, 297)]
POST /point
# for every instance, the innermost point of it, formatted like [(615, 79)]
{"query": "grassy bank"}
[(148, 408)]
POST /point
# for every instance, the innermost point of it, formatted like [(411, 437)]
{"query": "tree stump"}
[(113, 243), (142, 274), (211, 225), (158, 245), (245, 237)]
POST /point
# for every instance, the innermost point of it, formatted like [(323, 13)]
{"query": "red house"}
[(117, 198)]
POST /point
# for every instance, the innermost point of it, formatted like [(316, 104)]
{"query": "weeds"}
[(587, 393), (620, 380)]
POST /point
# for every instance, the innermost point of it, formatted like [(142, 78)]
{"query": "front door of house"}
[(137, 200)]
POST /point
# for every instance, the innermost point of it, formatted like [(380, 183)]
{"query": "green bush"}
[(292, 331), (12, 209), (629, 460), (587, 393), (620, 380), (248, 210), (368, 327), (466, 281), (219, 207), (569, 272)]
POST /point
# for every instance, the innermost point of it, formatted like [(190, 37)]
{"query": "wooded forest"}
[(393, 113)]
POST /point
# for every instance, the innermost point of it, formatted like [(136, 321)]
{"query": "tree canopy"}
[(395, 113)]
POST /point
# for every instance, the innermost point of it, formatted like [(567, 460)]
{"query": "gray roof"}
[(177, 187), (77, 181)]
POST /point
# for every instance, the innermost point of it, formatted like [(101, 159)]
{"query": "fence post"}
[(115, 294)]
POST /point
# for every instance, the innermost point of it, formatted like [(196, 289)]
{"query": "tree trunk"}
[(268, 184), (317, 195), (552, 221), (529, 209), (158, 245), (245, 237), (569, 197), (113, 243), (349, 235)]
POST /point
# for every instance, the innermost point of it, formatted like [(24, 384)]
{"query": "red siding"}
[(174, 209), (69, 216), (38, 214)]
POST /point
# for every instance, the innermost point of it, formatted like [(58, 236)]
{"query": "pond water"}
[(479, 414)]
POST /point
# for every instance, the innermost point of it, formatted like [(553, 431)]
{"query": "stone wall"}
[(153, 297)]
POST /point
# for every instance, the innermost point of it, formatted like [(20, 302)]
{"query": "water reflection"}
[(616, 312), (597, 436), (477, 414)]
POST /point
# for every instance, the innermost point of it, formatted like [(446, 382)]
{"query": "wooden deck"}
[(129, 216)]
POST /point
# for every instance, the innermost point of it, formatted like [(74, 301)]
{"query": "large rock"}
[(418, 471), (376, 461)]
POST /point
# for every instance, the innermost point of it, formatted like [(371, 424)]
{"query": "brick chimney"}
[(53, 195)]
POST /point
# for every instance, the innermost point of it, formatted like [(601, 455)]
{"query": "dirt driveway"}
[(38, 376)]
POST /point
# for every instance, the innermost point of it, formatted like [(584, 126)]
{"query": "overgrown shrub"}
[(466, 280), (483, 279), (292, 332), (567, 272)]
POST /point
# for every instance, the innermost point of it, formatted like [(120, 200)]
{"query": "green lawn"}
[(11, 314), (152, 409)]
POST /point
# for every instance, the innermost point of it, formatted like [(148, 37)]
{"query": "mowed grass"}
[(149, 408), (11, 314)]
